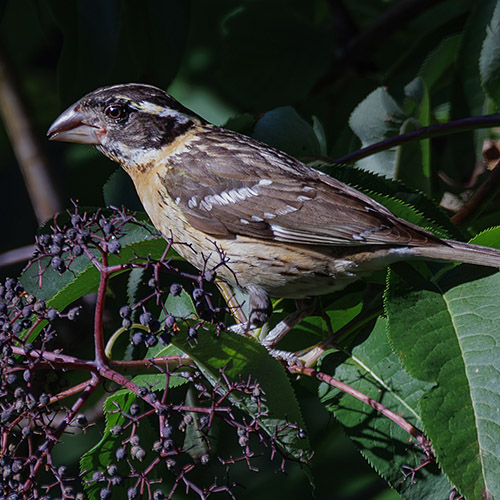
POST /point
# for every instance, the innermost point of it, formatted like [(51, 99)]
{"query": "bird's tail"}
[(456, 251)]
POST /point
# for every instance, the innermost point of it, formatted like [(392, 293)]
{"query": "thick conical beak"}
[(74, 126)]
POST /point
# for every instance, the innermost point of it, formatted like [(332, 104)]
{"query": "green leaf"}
[(103, 453), (412, 162), (242, 359), (375, 370), (440, 61), (284, 129), (449, 335), (376, 118), (489, 62), (414, 157)]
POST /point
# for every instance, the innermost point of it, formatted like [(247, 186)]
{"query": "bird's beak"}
[(73, 125)]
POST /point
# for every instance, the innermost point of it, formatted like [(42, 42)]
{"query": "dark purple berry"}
[(116, 429), (132, 493), (112, 470), (154, 325), (17, 327), (58, 264), (114, 246), (10, 283), (138, 453), (165, 338), (81, 420), (137, 338), (26, 312), (77, 250), (73, 313), (145, 318), (198, 293), (39, 306), (62, 471), (26, 323), (55, 249), (120, 454), (175, 289), (169, 321), (108, 228), (125, 312), (134, 409), (75, 220), (192, 333), (44, 399), (44, 240), (151, 340), (83, 237), (58, 239), (71, 234), (105, 493), (126, 323), (52, 314)]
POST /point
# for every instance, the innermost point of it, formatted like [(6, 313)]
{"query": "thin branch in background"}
[(17, 256), (16, 116), (453, 127)]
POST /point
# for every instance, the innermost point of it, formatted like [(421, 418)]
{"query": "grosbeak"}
[(282, 228)]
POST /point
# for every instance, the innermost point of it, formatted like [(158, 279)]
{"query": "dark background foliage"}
[(239, 60)]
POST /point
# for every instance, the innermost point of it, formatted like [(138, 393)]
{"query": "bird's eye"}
[(116, 112)]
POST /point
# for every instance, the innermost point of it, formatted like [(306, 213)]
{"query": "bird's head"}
[(125, 122)]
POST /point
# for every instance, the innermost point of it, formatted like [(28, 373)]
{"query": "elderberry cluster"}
[(26, 417), (73, 234), (162, 434)]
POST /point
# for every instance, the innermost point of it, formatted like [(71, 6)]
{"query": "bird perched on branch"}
[(285, 229)]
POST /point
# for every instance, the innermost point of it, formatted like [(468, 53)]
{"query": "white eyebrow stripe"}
[(164, 112), (192, 202)]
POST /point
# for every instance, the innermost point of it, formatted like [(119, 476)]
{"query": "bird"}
[(266, 222)]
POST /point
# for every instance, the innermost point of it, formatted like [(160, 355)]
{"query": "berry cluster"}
[(28, 411), (159, 431)]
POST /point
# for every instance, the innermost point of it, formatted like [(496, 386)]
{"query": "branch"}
[(453, 127), (34, 166), (397, 419)]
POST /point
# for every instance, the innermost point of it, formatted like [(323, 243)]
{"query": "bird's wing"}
[(247, 189)]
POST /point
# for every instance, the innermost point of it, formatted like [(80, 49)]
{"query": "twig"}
[(16, 256), (453, 127), (397, 419)]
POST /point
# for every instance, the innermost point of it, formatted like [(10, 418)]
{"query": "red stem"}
[(397, 419), (100, 355)]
